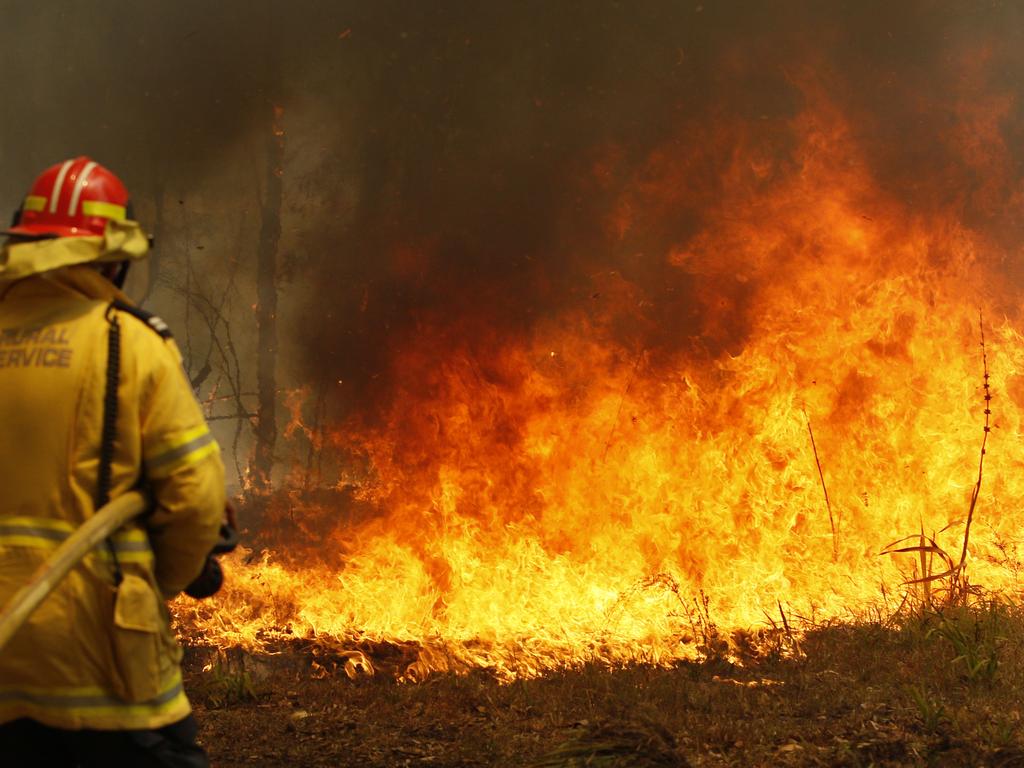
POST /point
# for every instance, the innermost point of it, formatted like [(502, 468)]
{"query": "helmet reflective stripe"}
[(80, 184), (72, 198), (59, 184), (106, 210)]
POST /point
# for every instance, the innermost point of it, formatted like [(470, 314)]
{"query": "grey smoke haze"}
[(445, 173)]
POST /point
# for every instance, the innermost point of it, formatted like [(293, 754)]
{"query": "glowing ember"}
[(566, 495)]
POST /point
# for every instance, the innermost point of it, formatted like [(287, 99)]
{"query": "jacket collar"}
[(81, 281)]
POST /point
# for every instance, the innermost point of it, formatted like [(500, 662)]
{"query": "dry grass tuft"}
[(637, 744)]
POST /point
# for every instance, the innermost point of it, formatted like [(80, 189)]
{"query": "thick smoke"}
[(458, 165), (493, 142)]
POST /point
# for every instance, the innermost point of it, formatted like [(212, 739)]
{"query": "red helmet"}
[(75, 198)]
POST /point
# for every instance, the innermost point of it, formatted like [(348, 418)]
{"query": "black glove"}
[(211, 578), (208, 582)]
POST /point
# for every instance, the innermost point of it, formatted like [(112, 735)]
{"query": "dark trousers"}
[(27, 744)]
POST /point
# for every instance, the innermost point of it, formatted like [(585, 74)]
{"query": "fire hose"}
[(46, 578), (89, 535)]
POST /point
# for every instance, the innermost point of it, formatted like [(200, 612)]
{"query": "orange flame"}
[(565, 496)]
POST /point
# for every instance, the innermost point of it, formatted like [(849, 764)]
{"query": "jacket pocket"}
[(137, 627)]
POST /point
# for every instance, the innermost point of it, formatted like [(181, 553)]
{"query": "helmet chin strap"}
[(121, 274), (116, 272)]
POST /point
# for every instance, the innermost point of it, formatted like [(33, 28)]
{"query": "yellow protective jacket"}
[(95, 655)]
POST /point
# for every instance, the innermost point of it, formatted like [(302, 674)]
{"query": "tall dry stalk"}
[(824, 488), (927, 547), (960, 579)]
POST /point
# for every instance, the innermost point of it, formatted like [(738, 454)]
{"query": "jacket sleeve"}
[(181, 462)]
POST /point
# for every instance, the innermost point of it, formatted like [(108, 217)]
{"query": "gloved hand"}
[(208, 582), (211, 578)]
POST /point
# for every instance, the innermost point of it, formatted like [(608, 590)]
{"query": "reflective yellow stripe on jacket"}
[(130, 544), (189, 447), (92, 702)]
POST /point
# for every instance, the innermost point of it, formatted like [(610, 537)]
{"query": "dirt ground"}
[(940, 690)]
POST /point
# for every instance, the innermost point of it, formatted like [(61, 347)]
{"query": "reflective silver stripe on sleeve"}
[(180, 452), (27, 530), (50, 534)]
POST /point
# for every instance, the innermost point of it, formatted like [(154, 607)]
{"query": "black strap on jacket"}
[(155, 324), (109, 435)]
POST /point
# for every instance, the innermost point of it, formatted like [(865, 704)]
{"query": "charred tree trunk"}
[(266, 310)]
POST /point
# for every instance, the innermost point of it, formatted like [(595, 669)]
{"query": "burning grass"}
[(802, 387), (935, 688), (555, 527)]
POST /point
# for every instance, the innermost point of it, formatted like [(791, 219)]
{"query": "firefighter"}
[(94, 402)]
